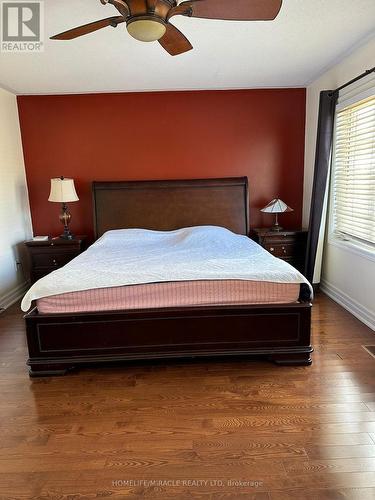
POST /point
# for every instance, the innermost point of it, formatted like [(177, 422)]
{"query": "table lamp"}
[(63, 191), (276, 206)]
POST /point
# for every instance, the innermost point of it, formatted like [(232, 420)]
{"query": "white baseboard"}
[(11, 297), (359, 311)]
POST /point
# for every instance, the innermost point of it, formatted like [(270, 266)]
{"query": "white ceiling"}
[(307, 37)]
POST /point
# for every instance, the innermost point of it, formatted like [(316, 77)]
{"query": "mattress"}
[(157, 261), (171, 294)]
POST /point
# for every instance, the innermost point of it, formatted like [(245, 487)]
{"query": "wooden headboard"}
[(171, 204)]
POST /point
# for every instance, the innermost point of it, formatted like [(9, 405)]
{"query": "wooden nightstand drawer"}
[(287, 245), (53, 259), (281, 250), (46, 256), (40, 272), (280, 239)]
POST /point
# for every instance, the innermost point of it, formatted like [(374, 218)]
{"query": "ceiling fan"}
[(148, 20)]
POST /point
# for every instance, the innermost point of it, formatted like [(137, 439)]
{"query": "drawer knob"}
[(272, 249), (54, 261), (284, 251)]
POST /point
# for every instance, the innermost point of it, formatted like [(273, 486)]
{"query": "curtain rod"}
[(359, 77)]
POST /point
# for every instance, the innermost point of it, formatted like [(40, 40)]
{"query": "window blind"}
[(354, 171)]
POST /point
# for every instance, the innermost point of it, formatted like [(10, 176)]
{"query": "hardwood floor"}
[(200, 428)]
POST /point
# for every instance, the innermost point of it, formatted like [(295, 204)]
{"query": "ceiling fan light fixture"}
[(146, 29)]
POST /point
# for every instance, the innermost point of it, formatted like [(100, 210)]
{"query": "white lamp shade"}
[(276, 206), (62, 190)]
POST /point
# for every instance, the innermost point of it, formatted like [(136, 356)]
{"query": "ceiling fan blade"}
[(89, 28), (175, 42), (239, 10)]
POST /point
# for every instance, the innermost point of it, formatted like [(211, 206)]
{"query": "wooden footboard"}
[(60, 342)]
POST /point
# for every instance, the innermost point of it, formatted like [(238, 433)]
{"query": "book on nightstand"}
[(40, 238)]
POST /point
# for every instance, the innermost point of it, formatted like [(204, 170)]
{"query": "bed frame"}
[(60, 342)]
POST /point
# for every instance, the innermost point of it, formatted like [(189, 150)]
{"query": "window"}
[(353, 181)]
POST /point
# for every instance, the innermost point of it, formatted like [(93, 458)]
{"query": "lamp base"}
[(276, 226), (67, 236), (65, 217)]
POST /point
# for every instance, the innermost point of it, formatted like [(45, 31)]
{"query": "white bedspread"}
[(136, 256)]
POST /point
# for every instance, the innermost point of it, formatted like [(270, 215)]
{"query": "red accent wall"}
[(164, 135)]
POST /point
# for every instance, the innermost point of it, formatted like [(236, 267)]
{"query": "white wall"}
[(347, 277), (15, 221)]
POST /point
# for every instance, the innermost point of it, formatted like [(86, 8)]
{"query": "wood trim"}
[(358, 310), (13, 295)]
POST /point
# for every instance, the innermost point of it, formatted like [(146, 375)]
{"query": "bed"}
[(61, 338)]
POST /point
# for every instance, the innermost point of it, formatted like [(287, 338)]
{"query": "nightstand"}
[(289, 245), (46, 256)]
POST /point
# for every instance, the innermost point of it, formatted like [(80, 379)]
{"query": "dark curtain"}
[(327, 106)]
